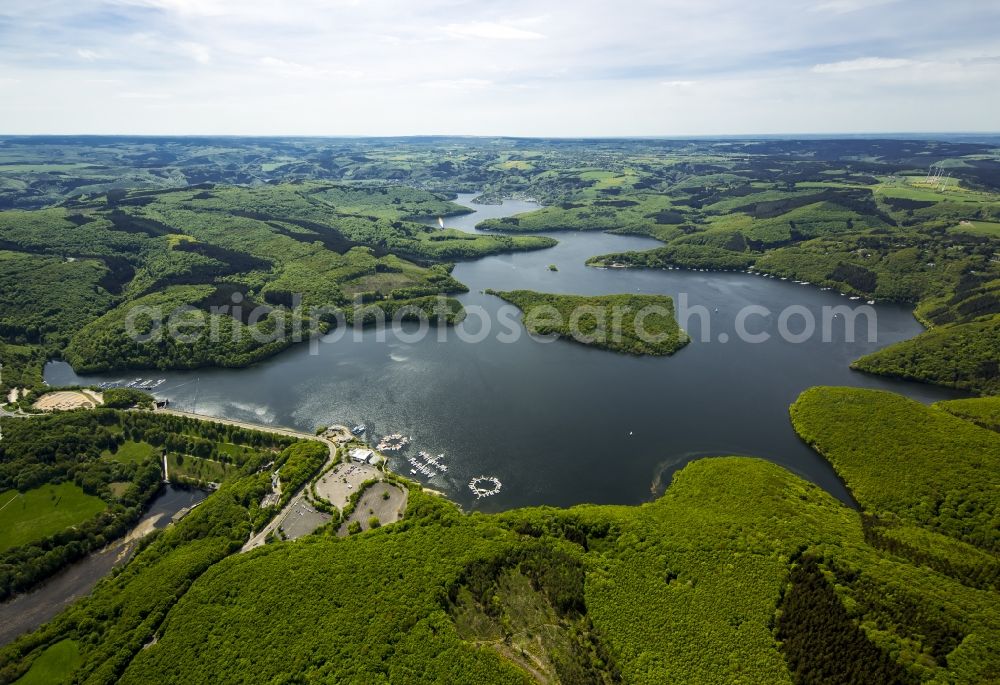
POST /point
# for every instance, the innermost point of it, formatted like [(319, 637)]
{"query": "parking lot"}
[(386, 501), (301, 519), (343, 480)]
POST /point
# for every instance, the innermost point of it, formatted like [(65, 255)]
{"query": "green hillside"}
[(255, 263), (740, 572), (633, 324)]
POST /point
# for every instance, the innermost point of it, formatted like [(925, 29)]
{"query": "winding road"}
[(259, 539)]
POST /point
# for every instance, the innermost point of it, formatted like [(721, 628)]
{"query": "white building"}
[(362, 456)]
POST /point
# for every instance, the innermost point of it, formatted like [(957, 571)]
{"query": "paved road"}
[(255, 427), (299, 497), (258, 539)]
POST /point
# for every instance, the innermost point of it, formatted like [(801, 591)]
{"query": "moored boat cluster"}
[(393, 442), (425, 464), (485, 486)]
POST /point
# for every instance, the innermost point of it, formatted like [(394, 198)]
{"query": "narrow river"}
[(27, 612)]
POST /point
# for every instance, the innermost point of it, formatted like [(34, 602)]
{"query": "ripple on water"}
[(551, 420)]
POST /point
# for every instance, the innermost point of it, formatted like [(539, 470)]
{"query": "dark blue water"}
[(557, 422)]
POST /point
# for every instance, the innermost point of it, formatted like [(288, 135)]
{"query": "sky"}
[(518, 67)]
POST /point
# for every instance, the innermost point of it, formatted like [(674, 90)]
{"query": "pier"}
[(393, 443), (485, 486), (137, 384), (427, 465)]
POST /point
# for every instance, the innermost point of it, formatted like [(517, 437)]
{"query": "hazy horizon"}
[(816, 135)]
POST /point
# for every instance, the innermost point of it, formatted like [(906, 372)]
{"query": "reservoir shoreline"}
[(596, 426)]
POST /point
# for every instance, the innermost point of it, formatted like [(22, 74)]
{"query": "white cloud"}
[(88, 55), (188, 7), (523, 67), (196, 51), (459, 84), (847, 6), (489, 30), (297, 70), (140, 95), (862, 64), (278, 63), (289, 69)]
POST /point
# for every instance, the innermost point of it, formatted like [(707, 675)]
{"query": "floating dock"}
[(485, 486), (427, 465), (393, 443), (137, 384)]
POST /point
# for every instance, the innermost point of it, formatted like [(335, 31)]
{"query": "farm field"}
[(740, 571), (985, 228), (185, 468), (54, 665), (43, 511), (131, 451)]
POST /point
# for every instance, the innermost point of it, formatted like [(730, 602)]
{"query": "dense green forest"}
[(266, 266), (635, 324), (982, 411), (118, 219), (105, 480), (22, 367), (740, 572), (965, 355), (952, 466), (898, 238)]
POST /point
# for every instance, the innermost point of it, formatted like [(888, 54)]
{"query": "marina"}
[(137, 384), (435, 461), (420, 467), (427, 465), (393, 443), (558, 453), (485, 486)]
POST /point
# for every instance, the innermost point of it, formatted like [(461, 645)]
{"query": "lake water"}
[(557, 422)]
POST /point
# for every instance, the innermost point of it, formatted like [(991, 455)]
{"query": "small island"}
[(633, 324)]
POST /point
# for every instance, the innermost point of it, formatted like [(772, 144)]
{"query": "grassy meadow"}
[(29, 516)]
